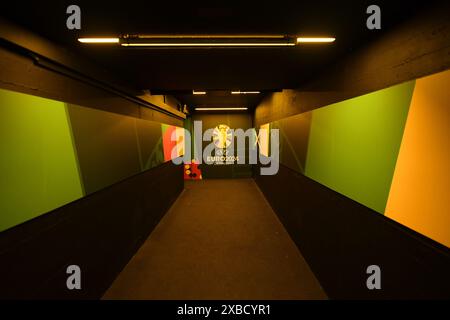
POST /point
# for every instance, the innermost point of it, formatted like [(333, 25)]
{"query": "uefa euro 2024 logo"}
[(230, 146)]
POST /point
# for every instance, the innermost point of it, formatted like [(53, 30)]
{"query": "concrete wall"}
[(415, 49)]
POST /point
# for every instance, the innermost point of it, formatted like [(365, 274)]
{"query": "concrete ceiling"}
[(179, 71)]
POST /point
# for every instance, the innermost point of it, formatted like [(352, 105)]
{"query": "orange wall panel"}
[(420, 190)]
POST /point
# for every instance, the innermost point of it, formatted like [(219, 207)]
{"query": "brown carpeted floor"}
[(220, 240)]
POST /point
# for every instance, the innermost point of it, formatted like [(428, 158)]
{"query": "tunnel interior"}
[(281, 152)]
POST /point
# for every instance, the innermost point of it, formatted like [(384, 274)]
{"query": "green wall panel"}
[(353, 145), (107, 146), (38, 164), (150, 145), (294, 137), (53, 153)]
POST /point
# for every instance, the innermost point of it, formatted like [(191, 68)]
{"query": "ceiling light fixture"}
[(203, 36), (207, 41), (198, 92), (315, 40), (245, 92), (195, 41), (220, 109), (209, 44), (99, 40)]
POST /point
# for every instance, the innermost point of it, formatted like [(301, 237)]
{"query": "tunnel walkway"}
[(220, 240)]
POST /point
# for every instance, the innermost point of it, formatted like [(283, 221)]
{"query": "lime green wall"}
[(38, 165), (53, 153), (106, 144), (294, 137), (113, 147), (353, 145), (149, 138)]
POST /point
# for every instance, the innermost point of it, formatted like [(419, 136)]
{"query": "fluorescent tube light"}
[(207, 40), (198, 92), (209, 44), (315, 40), (245, 92), (99, 40), (220, 109), (203, 36)]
